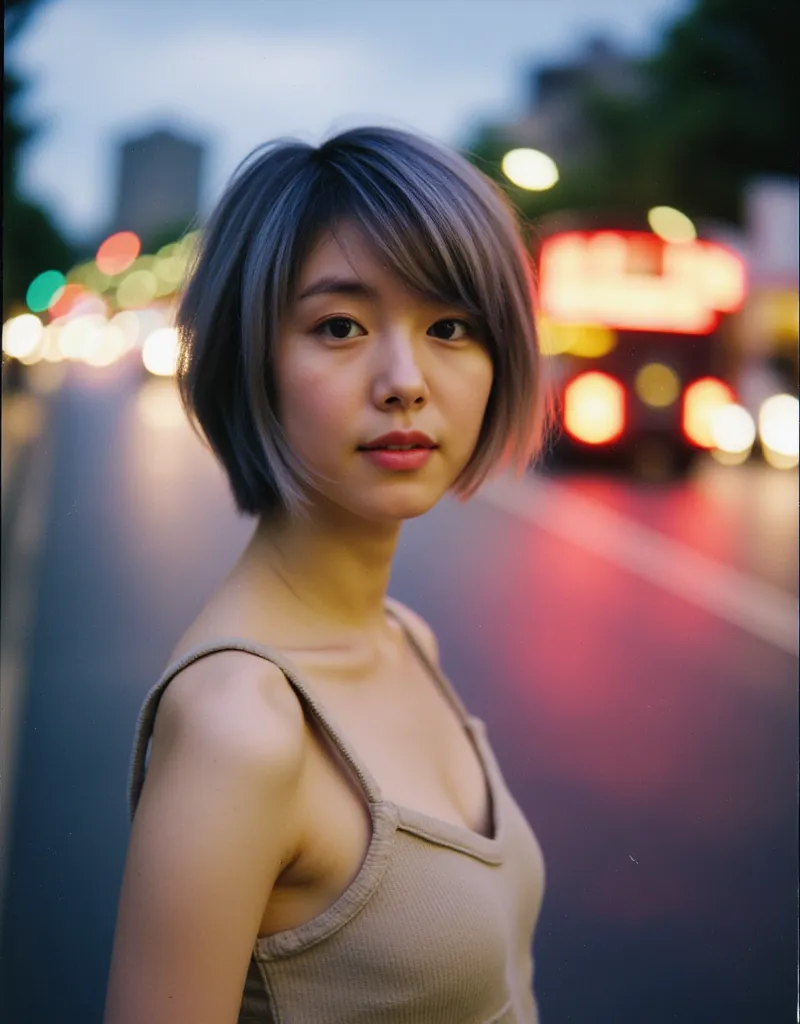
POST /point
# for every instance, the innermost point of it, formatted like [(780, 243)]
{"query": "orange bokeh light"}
[(594, 408), (66, 300), (700, 400), (118, 252)]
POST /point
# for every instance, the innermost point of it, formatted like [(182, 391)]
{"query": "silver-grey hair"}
[(440, 224)]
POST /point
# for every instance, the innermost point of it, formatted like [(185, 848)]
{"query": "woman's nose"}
[(400, 380)]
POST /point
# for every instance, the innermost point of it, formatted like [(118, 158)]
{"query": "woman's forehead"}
[(342, 246), (345, 253)]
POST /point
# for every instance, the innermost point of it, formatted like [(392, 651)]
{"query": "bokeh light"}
[(117, 253), (43, 289), (733, 430), (110, 346), (553, 340), (778, 428), (657, 385), (90, 277), (530, 169), (137, 289), (150, 319), (81, 336), (169, 271), (701, 400), (66, 299), (594, 408), (22, 335), (128, 323), (160, 352), (89, 302), (590, 341), (587, 341), (671, 225), (51, 346)]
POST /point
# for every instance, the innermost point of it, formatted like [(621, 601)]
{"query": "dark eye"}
[(338, 327), (450, 329)]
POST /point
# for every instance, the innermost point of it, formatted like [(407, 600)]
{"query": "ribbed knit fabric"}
[(436, 927)]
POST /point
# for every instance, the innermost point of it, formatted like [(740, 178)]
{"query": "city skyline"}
[(239, 73), (157, 183)]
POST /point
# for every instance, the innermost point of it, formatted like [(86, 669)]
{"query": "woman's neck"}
[(330, 572)]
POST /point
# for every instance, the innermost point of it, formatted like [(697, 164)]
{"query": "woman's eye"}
[(338, 327), (450, 329)]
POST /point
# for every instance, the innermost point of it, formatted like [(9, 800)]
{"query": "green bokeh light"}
[(42, 289)]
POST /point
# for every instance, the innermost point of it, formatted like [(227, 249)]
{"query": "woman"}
[(323, 834)]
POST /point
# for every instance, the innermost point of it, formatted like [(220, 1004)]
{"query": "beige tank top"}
[(437, 925)]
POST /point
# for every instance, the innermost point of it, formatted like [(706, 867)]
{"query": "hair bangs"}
[(435, 221), (421, 237)]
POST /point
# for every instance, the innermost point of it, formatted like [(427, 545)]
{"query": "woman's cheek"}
[(475, 388), (319, 411)]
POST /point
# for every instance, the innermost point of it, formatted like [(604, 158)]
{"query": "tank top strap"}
[(147, 714), (406, 622)]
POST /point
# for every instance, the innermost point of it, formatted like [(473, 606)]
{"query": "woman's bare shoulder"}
[(232, 697), (243, 682)]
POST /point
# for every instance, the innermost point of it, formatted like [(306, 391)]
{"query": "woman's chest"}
[(440, 920), (408, 735), (420, 756)]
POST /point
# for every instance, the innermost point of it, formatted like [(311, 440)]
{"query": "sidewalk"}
[(24, 416), (25, 472)]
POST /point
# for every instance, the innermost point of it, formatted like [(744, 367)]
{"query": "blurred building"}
[(158, 183), (555, 120), (771, 321), (772, 216)]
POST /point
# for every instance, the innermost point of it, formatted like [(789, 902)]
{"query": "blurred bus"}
[(637, 331)]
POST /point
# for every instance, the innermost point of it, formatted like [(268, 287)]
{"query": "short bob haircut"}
[(441, 225)]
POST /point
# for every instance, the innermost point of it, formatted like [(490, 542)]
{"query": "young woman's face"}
[(359, 356)]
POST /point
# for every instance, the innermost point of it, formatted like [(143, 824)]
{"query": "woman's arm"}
[(211, 833)]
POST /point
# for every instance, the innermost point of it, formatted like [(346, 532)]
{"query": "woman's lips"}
[(406, 460)]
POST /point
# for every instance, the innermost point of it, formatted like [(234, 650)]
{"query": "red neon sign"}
[(633, 280)]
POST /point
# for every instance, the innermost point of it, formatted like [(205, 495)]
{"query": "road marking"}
[(20, 579), (741, 599)]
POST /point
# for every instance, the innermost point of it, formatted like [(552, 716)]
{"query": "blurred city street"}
[(623, 617), (631, 648)]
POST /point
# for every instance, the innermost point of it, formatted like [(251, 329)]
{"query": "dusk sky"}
[(238, 72)]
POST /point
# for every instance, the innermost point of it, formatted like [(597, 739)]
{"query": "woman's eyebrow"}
[(338, 286)]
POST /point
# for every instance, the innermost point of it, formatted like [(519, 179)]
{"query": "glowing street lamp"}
[(530, 169), (671, 225)]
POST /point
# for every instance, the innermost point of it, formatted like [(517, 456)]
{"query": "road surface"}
[(632, 651)]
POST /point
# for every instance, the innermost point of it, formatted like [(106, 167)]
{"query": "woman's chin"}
[(392, 501), (397, 510), (396, 504)]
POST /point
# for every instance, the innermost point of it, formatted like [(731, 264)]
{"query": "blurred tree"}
[(577, 188), (31, 241), (719, 106), (167, 235), (723, 107)]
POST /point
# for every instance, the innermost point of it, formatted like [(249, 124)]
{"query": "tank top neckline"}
[(459, 837)]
